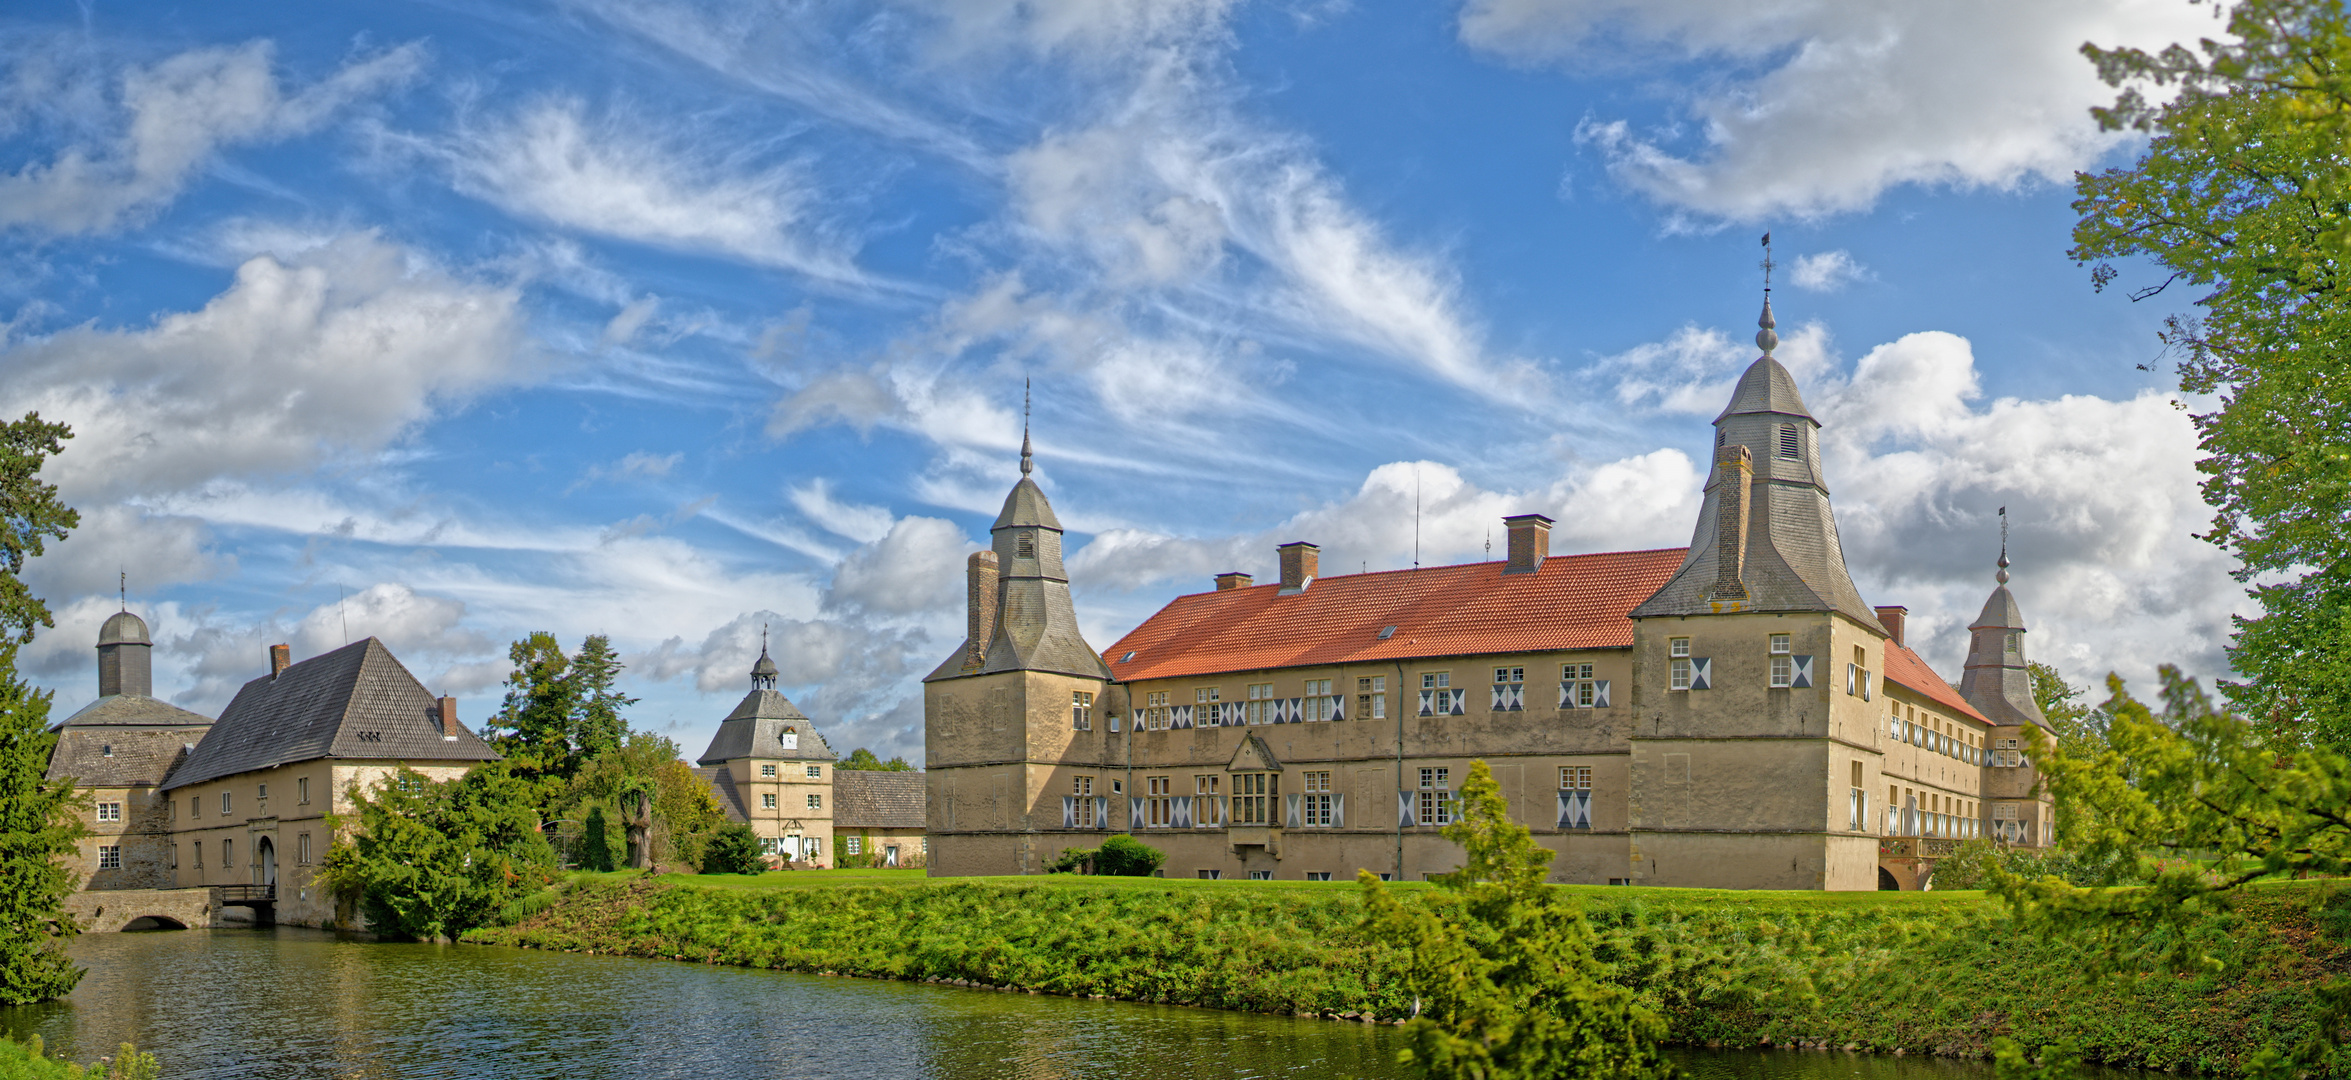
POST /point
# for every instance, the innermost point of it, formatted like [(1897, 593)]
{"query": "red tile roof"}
[(1571, 602), (1904, 666)]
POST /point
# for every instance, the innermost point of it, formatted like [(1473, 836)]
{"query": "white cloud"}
[(179, 114), (916, 569), (1693, 370), (411, 624), (857, 521), (1827, 271), (1089, 30), (617, 176), (1818, 106), (625, 324), (856, 681), (295, 364)]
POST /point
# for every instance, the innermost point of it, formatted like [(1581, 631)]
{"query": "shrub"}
[(1125, 856), (733, 849), (595, 842)]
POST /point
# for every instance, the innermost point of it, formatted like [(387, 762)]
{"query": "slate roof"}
[(139, 756), (1036, 627), (877, 799), (1766, 387), (1571, 602), (135, 710), (722, 788), (1026, 505), (355, 702), (1905, 667), (755, 730), (1998, 681), (123, 628)]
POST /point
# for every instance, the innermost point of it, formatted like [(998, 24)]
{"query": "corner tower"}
[(1998, 681), (1015, 717), (1754, 669)]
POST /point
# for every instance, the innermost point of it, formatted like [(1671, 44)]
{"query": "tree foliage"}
[(1502, 967), (431, 860), (30, 515), (595, 846), (39, 831), (864, 760), (2245, 192), (733, 849)]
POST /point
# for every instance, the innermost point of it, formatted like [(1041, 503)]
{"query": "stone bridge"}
[(109, 910)]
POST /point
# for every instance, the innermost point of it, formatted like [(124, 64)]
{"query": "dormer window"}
[(790, 737), (1024, 545), (1791, 443)]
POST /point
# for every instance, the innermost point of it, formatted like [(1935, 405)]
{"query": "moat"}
[(286, 1003)]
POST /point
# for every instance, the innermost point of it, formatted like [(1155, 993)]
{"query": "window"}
[(1437, 698), (302, 849), (228, 853), (1679, 650), (1436, 801), (1205, 710), (1081, 711), (1261, 875), (1318, 875), (1371, 698), (171, 856), (1320, 705), (1155, 711), (195, 806), (1159, 804), (852, 845), (767, 770), (224, 803), (816, 772), (1436, 679), (1315, 809), (815, 801), (1577, 690), (409, 782), (1575, 797), (109, 811), (106, 750), (767, 801), (1082, 807), (1254, 796), (1024, 545), (110, 856), (1510, 674), (1260, 708), (261, 791), (1857, 802), (1207, 809), (302, 790), (1783, 665), (1791, 443), (1575, 778), (1211, 875)]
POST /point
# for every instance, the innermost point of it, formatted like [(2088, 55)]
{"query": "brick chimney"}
[(979, 606), (1730, 523), (281, 657), (1300, 562), (1233, 579), (1530, 542), (1891, 617), (449, 725)]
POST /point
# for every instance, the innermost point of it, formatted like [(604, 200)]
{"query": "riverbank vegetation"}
[(26, 1061)]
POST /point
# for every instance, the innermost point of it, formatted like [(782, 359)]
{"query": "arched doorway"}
[(1887, 882), (265, 863)]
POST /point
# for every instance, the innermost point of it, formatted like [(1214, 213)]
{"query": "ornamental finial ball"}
[(1766, 339)]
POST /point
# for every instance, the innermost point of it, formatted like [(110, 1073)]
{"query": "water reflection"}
[(295, 1003)]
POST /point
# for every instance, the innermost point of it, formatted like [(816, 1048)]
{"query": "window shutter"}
[(1501, 698), (1600, 694), (1069, 811), (1101, 811), (1852, 679), (1701, 673), (1803, 677), (1565, 808), (1290, 811), (1428, 700), (1180, 812), (1460, 702), (1865, 684), (1338, 811), (1338, 708), (1566, 694), (1404, 809), (1583, 809), (1134, 813)]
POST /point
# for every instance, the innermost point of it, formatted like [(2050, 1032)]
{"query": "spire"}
[(763, 673), (1028, 462), (2002, 575), (1767, 338), (1997, 679), (123, 590)]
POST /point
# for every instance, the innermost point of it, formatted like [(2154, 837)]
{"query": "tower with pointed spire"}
[(1998, 681), (1755, 667), (1018, 705)]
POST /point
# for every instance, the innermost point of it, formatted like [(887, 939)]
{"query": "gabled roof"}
[(355, 702), (877, 799), (1571, 602), (1905, 667)]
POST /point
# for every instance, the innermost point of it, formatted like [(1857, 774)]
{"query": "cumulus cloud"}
[(296, 363), (856, 521), (615, 175), (856, 680), (1827, 271), (917, 568), (1693, 370), (170, 120), (1821, 105)]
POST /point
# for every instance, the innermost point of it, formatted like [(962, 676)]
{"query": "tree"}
[(595, 842), (862, 759), (635, 800), (595, 670), (1501, 967), (1125, 856), (30, 515), (533, 727), (2245, 191), (733, 849), (430, 860)]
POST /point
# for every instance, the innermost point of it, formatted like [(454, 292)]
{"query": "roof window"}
[(106, 751), (1387, 632), (1128, 658)]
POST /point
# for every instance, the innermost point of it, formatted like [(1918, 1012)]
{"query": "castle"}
[(1731, 714)]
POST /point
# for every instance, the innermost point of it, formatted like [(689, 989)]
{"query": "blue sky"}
[(669, 321)]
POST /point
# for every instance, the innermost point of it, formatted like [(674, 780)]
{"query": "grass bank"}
[(26, 1061), (1939, 973)]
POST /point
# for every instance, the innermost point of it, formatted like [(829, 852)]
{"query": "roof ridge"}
[(1548, 559)]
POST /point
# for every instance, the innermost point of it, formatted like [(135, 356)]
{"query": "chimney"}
[(449, 725), (1730, 523), (1300, 562), (1891, 616), (1233, 579), (979, 606), (280, 658), (1530, 542)]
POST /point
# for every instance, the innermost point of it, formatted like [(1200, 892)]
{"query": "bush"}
[(29, 1061), (432, 860), (733, 849), (1125, 856), (595, 843), (1971, 866)]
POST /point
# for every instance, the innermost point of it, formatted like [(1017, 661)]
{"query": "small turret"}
[(1998, 680)]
